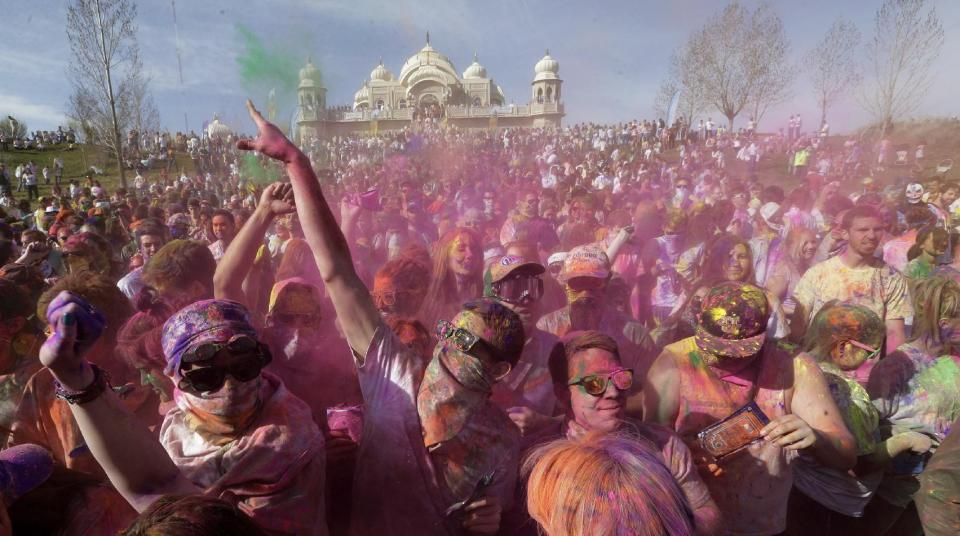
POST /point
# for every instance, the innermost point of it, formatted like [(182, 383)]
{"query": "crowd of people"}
[(436, 331)]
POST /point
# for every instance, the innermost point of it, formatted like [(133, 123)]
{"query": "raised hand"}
[(34, 253), (270, 140), (62, 352), (278, 199)]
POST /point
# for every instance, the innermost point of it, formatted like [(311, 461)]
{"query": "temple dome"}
[(475, 70), (216, 129), (427, 56), (547, 68), (309, 75), (381, 73), (362, 95)]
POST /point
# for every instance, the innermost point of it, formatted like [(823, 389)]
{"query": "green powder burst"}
[(263, 68), (253, 171)]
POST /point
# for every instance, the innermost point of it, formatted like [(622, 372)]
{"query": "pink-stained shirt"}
[(529, 383), (396, 487), (752, 492), (274, 472)]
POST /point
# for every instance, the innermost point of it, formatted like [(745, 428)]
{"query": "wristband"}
[(90, 392)]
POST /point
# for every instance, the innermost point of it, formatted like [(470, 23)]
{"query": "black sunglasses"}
[(211, 379), (255, 356)]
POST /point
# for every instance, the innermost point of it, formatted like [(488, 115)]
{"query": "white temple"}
[(429, 86)]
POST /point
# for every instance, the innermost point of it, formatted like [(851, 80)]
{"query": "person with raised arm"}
[(437, 456), (236, 432)]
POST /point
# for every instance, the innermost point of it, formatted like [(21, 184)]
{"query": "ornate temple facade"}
[(428, 86)]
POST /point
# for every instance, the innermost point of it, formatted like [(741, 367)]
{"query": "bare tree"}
[(13, 128), (767, 62), (110, 95), (907, 41), (738, 58), (691, 103), (833, 65)]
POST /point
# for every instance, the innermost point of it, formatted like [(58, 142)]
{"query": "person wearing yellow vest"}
[(800, 161)]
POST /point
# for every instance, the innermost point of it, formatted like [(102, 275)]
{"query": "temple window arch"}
[(549, 94), (540, 95), (379, 104), (402, 104), (476, 101)]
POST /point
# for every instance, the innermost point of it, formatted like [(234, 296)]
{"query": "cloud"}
[(37, 116)]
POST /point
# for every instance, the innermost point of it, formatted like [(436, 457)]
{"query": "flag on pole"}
[(672, 109)]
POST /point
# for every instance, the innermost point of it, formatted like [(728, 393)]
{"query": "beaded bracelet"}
[(89, 393)]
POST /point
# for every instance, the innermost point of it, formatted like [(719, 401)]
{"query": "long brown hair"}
[(442, 295)]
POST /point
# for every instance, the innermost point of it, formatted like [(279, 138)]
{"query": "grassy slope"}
[(942, 137), (76, 165)]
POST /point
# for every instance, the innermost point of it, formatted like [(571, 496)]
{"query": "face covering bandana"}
[(221, 416), (585, 314), (454, 386)]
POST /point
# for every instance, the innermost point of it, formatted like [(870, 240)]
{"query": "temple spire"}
[(428, 37)]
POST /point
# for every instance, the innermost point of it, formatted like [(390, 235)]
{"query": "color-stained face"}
[(149, 245), (950, 331), (465, 255), (864, 235), (222, 228), (808, 248), (934, 245), (77, 263), (529, 205), (580, 212), (392, 299), (297, 308), (595, 413), (737, 265), (578, 288), (949, 196), (849, 355)]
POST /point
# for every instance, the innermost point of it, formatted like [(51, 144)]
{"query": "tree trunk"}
[(823, 111), (730, 119), (113, 105)]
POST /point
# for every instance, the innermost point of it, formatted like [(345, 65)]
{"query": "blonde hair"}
[(934, 298), (794, 244), (605, 484)]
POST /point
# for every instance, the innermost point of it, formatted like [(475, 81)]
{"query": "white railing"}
[(452, 112)]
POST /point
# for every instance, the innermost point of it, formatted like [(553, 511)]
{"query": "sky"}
[(613, 54)]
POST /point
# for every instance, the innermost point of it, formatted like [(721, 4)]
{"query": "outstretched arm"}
[(135, 462), (275, 200), (355, 310)]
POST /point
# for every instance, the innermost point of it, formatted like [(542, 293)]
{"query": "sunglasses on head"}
[(521, 289), (462, 339), (596, 384)]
